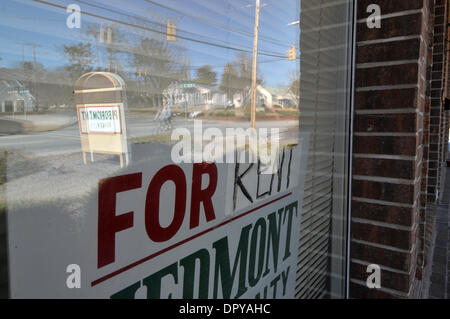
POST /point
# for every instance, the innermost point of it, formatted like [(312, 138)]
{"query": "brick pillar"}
[(427, 133), (437, 118), (390, 106), (446, 89)]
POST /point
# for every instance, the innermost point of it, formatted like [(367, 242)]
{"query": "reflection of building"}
[(192, 95), (265, 97), (15, 97), (276, 97), (244, 98)]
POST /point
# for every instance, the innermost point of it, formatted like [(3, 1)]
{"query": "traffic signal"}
[(227, 68), (102, 34), (109, 35), (171, 31), (292, 54)]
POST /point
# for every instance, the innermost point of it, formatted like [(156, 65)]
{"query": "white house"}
[(15, 97), (192, 95)]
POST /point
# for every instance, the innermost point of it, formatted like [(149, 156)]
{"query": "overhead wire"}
[(157, 31), (163, 25), (217, 24)]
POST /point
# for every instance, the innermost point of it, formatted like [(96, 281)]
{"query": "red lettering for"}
[(205, 195), (152, 224), (108, 223)]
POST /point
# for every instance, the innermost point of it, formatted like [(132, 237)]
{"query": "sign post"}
[(101, 100)]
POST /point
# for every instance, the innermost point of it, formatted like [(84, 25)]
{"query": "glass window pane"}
[(145, 141)]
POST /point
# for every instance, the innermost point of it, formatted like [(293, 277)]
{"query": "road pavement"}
[(59, 171), (67, 140), (10, 127)]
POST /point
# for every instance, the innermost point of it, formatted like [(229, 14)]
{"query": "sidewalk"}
[(36, 122), (10, 127), (440, 271)]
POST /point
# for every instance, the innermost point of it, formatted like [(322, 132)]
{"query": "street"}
[(49, 164), (67, 140), (9, 127)]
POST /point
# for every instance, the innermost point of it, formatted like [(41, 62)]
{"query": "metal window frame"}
[(339, 168), (341, 225)]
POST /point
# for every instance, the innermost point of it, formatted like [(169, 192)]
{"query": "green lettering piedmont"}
[(188, 263), (259, 229), (274, 239), (222, 267), (289, 211), (153, 282)]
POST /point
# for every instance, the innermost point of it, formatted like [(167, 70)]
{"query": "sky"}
[(222, 26)]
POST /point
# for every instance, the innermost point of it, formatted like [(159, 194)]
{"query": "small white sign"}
[(83, 120), (104, 119)]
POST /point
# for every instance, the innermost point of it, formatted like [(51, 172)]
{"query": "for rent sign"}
[(160, 230)]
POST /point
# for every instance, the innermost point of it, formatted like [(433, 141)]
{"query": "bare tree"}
[(294, 87), (157, 62), (237, 77), (229, 82), (110, 45), (80, 58), (206, 75)]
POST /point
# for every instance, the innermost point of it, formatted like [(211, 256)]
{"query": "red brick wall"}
[(391, 153)]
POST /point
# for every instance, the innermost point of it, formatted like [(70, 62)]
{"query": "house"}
[(277, 97), (15, 97), (191, 95), (244, 98), (266, 97)]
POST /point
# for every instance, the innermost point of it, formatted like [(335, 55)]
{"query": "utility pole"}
[(255, 62), (23, 73), (34, 76), (34, 46)]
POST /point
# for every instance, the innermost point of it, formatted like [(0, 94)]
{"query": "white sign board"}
[(159, 230), (100, 119)]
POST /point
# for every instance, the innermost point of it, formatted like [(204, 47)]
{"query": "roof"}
[(11, 75), (11, 89), (202, 88), (274, 91)]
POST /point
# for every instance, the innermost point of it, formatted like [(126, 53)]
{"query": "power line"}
[(158, 23), (31, 18), (156, 31), (220, 25), (193, 67), (120, 49)]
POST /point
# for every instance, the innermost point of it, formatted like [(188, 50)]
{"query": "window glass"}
[(153, 149)]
